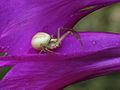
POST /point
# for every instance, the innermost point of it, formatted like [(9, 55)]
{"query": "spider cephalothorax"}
[(45, 42)]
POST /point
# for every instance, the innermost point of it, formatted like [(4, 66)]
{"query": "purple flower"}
[(21, 19)]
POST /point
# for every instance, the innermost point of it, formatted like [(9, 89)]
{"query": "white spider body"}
[(45, 42), (40, 39)]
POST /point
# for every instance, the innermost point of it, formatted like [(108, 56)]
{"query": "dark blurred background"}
[(104, 20)]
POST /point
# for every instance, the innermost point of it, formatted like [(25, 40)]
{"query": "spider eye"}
[(39, 39)]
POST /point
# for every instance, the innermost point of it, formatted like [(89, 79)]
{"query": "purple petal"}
[(22, 19), (47, 75), (46, 72), (70, 64)]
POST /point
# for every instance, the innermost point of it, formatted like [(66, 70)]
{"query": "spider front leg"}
[(69, 30), (62, 28), (48, 51), (45, 49)]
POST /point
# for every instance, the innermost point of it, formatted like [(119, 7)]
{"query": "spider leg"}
[(78, 39), (69, 29), (48, 51), (58, 33), (63, 36), (60, 28), (45, 49), (73, 32), (42, 49)]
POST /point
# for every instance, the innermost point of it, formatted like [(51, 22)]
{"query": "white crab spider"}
[(45, 42)]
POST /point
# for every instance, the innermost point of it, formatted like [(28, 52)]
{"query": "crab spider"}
[(45, 42)]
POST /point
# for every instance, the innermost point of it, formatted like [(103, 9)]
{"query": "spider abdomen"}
[(40, 39)]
